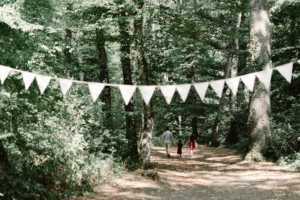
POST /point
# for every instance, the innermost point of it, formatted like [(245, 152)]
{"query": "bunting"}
[(147, 91), (183, 91), (233, 84), (127, 92), (43, 82), (265, 77), (201, 89), (249, 81), (65, 85), (4, 71), (168, 92), (286, 71), (27, 79), (95, 90), (218, 86)]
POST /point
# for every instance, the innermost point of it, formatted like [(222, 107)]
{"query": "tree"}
[(285, 102), (142, 67), (260, 108), (104, 76), (131, 154)]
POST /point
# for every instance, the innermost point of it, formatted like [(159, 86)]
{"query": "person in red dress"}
[(192, 144), (179, 148)]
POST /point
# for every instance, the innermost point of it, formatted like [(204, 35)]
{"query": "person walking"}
[(192, 144), (167, 137), (179, 148)]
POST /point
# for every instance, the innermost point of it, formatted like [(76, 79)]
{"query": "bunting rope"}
[(147, 91)]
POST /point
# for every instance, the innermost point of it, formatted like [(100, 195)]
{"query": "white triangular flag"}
[(4, 71), (168, 92), (218, 86), (183, 91), (201, 89), (147, 92), (95, 90), (43, 82), (65, 85), (127, 92), (249, 80), (27, 79), (233, 84), (286, 71), (265, 77)]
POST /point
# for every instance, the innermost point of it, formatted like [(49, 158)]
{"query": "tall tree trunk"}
[(4, 163), (260, 105), (232, 136), (147, 126), (104, 76), (191, 75), (179, 124), (67, 53), (231, 71), (131, 135), (214, 134), (195, 127)]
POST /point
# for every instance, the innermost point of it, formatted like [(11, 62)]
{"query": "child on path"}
[(192, 144), (179, 148)]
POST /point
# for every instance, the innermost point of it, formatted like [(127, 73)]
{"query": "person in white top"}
[(167, 137)]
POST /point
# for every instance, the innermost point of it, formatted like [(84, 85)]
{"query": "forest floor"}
[(213, 173)]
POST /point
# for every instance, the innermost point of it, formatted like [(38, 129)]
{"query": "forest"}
[(89, 86)]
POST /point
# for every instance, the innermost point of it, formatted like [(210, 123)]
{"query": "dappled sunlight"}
[(211, 174), (224, 159), (262, 24)]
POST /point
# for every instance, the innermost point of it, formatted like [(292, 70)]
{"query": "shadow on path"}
[(213, 173)]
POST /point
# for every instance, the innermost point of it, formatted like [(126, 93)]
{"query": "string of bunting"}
[(147, 91)]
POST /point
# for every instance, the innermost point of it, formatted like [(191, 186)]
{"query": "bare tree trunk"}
[(214, 134), (68, 55), (260, 107), (195, 127), (147, 126), (180, 125), (4, 163), (131, 135), (68, 39), (232, 136), (104, 76), (231, 71)]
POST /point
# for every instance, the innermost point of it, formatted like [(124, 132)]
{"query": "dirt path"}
[(212, 174)]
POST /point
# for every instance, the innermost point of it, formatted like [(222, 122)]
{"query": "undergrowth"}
[(291, 161)]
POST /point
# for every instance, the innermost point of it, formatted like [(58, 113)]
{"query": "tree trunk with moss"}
[(260, 108), (131, 132), (141, 63)]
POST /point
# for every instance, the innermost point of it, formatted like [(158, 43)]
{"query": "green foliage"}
[(56, 146), (285, 97), (291, 160), (16, 187), (156, 142), (61, 146), (53, 151)]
